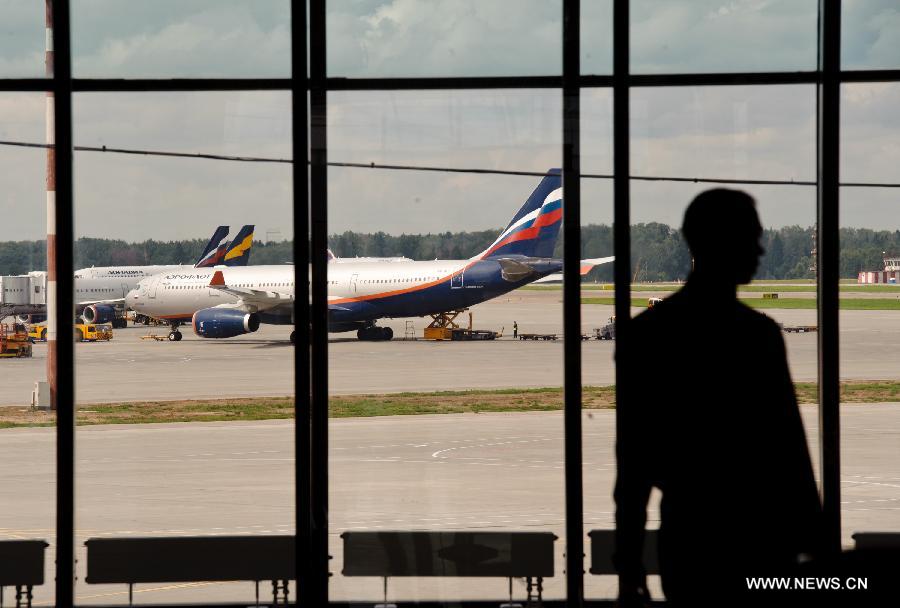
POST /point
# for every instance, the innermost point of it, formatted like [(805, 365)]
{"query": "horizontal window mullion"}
[(115, 85)]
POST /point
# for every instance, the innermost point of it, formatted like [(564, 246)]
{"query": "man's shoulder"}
[(754, 318)]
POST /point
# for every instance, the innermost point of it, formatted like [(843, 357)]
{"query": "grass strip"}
[(399, 404), (887, 290), (793, 303)]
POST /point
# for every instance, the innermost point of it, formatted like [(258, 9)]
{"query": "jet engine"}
[(99, 313), (224, 322), (31, 319)]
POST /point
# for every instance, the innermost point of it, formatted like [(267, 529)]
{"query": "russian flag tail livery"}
[(534, 229), (215, 249), (238, 253)]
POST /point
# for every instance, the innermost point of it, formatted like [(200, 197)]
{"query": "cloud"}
[(444, 38)]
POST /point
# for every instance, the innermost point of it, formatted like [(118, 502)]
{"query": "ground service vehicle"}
[(14, 341), (91, 332)]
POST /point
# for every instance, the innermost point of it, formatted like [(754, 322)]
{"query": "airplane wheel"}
[(362, 333), (292, 336), (387, 333), (178, 336)]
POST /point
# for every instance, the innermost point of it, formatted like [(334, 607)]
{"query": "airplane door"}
[(456, 281), (353, 279), (153, 285), (125, 289)]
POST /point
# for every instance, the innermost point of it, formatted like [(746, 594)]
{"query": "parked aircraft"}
[(100, 290), (234, 301), (333, 259)]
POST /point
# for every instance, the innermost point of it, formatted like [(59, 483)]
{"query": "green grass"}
[(399, 404), (787, 303), (888, 290)]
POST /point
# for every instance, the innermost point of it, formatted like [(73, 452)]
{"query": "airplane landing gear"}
[(375, 333), (174, 335)]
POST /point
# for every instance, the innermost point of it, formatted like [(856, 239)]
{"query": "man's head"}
[(722, 229)]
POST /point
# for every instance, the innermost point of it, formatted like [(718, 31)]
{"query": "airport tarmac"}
[(450, 472), (131, 369)]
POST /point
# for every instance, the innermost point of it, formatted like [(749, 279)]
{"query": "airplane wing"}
[(587, 265), (251, 299)]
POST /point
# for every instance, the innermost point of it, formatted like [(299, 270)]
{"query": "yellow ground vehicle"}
[(14, 341), (37, 333), (84, 332), (90, 332)]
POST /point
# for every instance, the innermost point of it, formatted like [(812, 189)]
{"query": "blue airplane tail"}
[(214, 250), (534, 229), (238, 252)]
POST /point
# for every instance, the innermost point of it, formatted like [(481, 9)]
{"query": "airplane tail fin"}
[(535, 227), (215, 249), (238, 252)]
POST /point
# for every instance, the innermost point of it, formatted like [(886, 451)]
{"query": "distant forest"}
[(658, 252)]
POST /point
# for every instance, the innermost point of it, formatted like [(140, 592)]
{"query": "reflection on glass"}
[(170, 39), (23, 43), (184, 426), (869, 316), (438, 435), (462, 38), (27, 435), (710, 36), (870, 35)]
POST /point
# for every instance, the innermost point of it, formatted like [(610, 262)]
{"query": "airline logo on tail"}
[(534, 229), (238, 253), (215, 249)]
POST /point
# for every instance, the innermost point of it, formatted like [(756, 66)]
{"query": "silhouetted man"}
[(708, 416)]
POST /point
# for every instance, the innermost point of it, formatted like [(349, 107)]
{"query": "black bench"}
[(603, 547), (193, 559), (527, 555), (22, 567)]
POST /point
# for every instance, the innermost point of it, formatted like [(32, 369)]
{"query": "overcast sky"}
[(729, 132)]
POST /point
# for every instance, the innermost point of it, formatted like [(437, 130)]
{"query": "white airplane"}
[(223, 303), (100, 290), (333, 259)]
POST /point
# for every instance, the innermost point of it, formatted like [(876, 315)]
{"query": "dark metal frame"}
[(310, 218)]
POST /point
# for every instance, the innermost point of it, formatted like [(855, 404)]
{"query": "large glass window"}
[(27, 436), (186, 437), (184, 415), (870, 308), (430, 432)]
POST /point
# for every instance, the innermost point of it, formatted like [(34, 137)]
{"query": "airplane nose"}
[(133, 297)]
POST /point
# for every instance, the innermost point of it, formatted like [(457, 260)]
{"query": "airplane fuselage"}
[(358, 293)]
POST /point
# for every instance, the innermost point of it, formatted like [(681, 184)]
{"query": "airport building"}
[(890, 274), (292, 464)]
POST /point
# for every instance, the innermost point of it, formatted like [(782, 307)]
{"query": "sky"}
[(728, 132)]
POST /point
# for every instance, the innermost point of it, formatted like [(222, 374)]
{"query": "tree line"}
[(658, 253)]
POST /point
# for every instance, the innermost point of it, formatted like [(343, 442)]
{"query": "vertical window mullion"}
[(828, 264), (572, 303), (61, 267), (319, 308), (300, 206)]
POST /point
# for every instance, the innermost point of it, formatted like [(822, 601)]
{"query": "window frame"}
[(310, 151)]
